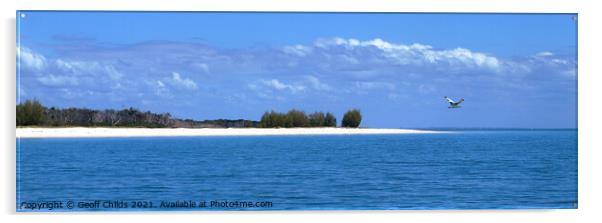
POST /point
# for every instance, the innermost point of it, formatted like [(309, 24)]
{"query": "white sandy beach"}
[(148, 132)]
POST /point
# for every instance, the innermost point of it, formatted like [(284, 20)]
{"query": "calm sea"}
[(457, 170)]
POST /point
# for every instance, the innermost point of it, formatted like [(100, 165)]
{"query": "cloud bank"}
[(147, 73)]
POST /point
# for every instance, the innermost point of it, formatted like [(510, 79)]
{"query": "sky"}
[(513, 70)]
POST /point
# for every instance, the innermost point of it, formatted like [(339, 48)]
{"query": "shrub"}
[(296, 118), (30, 113), (273, 119), (352, 119), (330, 120), (317, 119)]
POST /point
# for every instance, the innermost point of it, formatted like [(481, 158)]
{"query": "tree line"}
[(297, 118), (33, 113)]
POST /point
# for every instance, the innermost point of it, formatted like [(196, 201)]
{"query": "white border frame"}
[(588, 110)]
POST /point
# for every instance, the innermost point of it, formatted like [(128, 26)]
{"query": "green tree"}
[(30, 113), (264, 122), (316, 119), (273, 119), (330, 120), (296, 118), (352, 118)]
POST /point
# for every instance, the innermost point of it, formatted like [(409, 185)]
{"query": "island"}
[(37, 121)]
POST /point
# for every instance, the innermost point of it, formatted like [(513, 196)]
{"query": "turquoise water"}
[(457, 170)]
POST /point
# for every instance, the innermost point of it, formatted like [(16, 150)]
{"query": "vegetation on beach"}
[(30, 113), (33, 113), (297, 118), (352, 118)]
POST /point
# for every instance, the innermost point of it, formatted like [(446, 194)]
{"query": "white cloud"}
[(463, 56), (112, 72), (58, 80), (369, 85), (298, 50), (276, 84), (415, 54), (69, 94), (89, 68), (570, 73), (317, 84), (204, 67), (551, 60), (183, 82), (559, 61), (160, 89), (31, 59), (544, 54), (63, 65), (78, 67), (360, 64)]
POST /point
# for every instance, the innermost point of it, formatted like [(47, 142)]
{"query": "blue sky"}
[(514, 70)]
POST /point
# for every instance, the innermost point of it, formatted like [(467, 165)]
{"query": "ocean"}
[(480, 169)]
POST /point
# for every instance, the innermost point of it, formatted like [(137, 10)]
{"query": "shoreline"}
[(100, 132)]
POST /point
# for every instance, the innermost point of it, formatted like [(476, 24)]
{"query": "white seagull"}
[(453, 104)]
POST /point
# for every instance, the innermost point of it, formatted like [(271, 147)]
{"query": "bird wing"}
[(450, 100), (458, 103)]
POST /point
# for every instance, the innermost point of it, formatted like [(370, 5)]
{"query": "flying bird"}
[(453, 104)]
